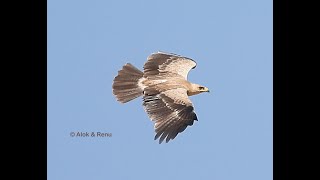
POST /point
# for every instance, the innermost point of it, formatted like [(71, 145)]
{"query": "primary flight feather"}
[(165, 90)]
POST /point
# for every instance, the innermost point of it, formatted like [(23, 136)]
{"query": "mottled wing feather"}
[(171, 110), (165, 64)]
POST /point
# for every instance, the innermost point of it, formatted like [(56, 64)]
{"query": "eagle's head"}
[(197, 89)]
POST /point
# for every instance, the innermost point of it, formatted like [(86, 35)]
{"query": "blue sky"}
[(89, 41)]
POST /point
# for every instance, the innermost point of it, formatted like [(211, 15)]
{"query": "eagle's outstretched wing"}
[(166, 64), (171, 110)]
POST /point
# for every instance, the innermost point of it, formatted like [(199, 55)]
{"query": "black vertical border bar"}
[(38, 89), (281, 51)]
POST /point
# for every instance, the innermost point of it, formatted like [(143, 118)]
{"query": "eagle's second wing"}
[(165, 64), (171, 110)]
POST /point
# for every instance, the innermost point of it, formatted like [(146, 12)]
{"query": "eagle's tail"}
[(126, 84)]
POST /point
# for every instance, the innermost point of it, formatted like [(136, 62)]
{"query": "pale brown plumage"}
[(165, 91)]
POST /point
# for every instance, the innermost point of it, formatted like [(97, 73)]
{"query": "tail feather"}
[(125, 84)]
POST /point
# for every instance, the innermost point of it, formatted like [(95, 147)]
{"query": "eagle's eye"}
[(201, 88)]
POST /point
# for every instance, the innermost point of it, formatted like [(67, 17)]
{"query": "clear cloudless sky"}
[(90, 40)]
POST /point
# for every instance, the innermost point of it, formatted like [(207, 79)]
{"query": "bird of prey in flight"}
[(165, 90)]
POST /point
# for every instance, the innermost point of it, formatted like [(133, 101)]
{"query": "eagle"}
[(165, 90)]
